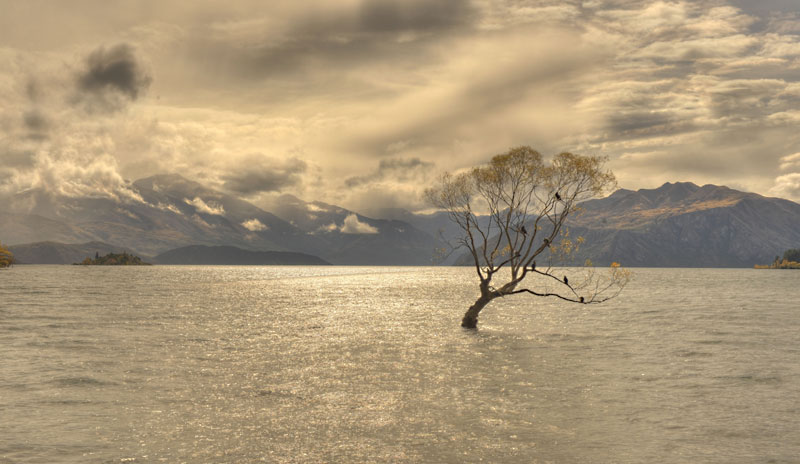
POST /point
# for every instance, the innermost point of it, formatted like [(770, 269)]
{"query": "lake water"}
[(364, 364)]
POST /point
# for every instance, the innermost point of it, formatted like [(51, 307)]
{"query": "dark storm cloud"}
[(397, 169), (17, 158), (633, 122), (112, 75), (115, 68), (424, 15), (32, 90), (35, 121), (636, 124), (750, 99), (766, 7), (402, 163), (316, 42), (266, 176)]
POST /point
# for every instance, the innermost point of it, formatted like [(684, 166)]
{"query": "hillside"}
[(25, 228), (682, 225), (685, 225), (228, 255), (351, 238)]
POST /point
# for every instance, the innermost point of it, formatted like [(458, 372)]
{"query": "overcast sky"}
[(363, 103)]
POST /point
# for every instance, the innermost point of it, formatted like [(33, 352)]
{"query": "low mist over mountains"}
[(169, 211), (678, 224)]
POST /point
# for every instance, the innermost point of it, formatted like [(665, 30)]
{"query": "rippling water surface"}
[(356, 364)]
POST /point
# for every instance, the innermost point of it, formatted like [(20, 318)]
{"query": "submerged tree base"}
[(470, 320)]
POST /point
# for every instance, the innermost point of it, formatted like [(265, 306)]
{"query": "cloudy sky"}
[(362, 103)]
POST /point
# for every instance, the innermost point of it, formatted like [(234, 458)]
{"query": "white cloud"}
[(203, 207), (315, 208), (787, 186), (166, 206), (254, 225), (353, 226), (128, 213), (199, 220), (790, 162), (332, 227)]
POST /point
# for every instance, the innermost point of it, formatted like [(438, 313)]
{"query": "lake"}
[(369, 364)]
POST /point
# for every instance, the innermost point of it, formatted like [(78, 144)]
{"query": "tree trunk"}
[(470, 320)]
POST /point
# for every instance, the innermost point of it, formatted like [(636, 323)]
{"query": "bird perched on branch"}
[(566, 281), (558, 197), (581, 299), (523, 230)]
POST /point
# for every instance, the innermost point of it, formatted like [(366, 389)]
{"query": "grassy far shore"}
[(777, 264), (790, 260)]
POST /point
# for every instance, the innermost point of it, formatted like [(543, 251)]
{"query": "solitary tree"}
[(512, 211)]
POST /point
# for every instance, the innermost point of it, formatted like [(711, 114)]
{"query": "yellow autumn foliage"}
[(6, 256)]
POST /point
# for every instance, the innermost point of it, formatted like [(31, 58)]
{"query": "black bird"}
[(566, 281), (523, 230), (581, 299), (533, 266), (558, 197), (546, 241)]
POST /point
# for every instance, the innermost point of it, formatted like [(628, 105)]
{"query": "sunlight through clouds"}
[(264, 99)]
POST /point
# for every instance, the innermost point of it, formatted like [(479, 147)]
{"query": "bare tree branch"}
[(521, 196)]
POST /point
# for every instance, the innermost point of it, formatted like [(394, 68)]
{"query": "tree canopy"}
[(792, 255), (791, 260), (512, 211), (113, 259), (6, 256)]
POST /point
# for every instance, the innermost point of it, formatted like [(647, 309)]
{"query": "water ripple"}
[(340, 364)]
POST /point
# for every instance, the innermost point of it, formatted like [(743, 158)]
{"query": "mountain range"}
[(678, 224), (169, 211), (685, 225)]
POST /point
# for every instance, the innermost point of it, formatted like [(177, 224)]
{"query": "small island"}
[(790, 260), (113, 259)]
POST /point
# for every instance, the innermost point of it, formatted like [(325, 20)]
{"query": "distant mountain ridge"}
[(168, 211), (685, 225), (678, 224), (228, 255), (351, 238)]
